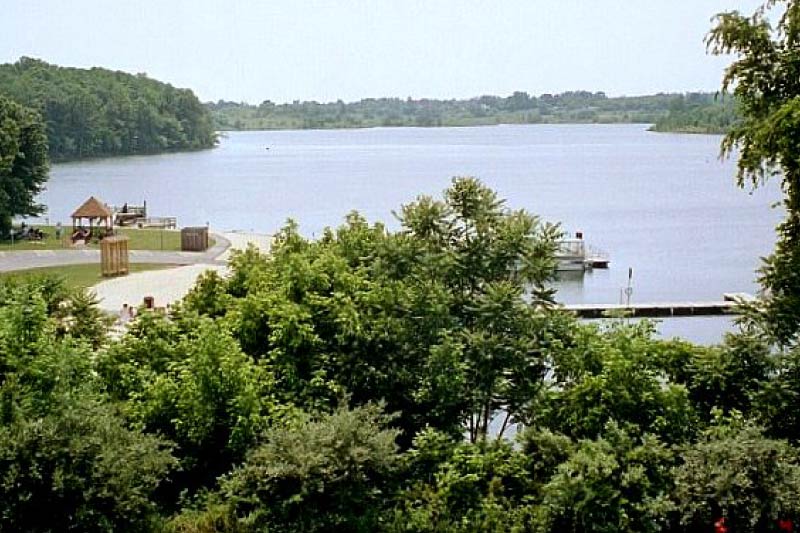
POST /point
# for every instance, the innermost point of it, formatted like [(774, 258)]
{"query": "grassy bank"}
[(78, 275), (140, 239)]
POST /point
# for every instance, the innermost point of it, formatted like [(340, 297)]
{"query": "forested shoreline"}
[(699, 113), (100, 113), (670, 112)]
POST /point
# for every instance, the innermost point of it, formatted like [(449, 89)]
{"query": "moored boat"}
[(573, 254)]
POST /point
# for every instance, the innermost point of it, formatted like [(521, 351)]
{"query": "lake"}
[(661, 204)]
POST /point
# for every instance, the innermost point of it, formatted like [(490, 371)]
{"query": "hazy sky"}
[(284, 50)]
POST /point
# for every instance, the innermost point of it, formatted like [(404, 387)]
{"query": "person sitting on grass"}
[(81, 234)]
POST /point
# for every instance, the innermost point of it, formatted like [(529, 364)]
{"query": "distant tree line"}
[(98, 112), (580, 107), (699, 113)]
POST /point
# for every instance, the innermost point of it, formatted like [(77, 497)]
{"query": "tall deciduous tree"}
[(765, 79), (447, 320), (23, 162)]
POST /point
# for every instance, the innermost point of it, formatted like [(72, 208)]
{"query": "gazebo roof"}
[(92, 208)]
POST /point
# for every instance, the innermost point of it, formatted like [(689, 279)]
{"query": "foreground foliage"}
[(408, 381)]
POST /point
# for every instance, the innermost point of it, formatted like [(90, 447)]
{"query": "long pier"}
[(730, 305)]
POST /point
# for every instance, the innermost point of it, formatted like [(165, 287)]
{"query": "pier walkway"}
[(729, 305)]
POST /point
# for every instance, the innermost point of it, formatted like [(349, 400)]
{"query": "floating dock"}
[(597, 261), (729, 305)]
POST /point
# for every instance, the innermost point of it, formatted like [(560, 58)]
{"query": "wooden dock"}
[(730, 305)]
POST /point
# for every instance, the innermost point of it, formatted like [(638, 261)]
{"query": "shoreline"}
[(442, 126)]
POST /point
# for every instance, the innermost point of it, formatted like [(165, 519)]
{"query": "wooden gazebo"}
[(96, 213)]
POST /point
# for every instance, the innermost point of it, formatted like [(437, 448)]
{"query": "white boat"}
[(574, 255)]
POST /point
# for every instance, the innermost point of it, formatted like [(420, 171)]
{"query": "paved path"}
[(240, 240), (171, 285), (25, 259), (165, 286)]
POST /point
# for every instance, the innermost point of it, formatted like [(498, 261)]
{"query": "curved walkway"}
[(25, 259), (165, 286), (171, 285)]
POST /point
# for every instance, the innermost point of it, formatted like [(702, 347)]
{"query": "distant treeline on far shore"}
[(100, 113), (687, 113)]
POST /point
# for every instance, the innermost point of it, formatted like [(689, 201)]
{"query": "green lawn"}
[(79, 275), (49, 243), (153, 239), (140, 239)]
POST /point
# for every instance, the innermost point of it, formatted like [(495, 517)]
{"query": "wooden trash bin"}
[(114, 255), (194, 239)]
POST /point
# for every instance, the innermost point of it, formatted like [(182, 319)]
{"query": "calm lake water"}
[(662, 204)]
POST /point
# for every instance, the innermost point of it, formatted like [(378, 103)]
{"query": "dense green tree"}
[(446, 320), (98, 112), (735, 472), (463, 487), (615, 483), (208, 297), (325, 474), (729, 376), (776, 398), (76, 466), (24, 163), (547, 482), (486, 258), (764, 79), (68, 460), (618, 379), (44, 304), (197, 389)]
